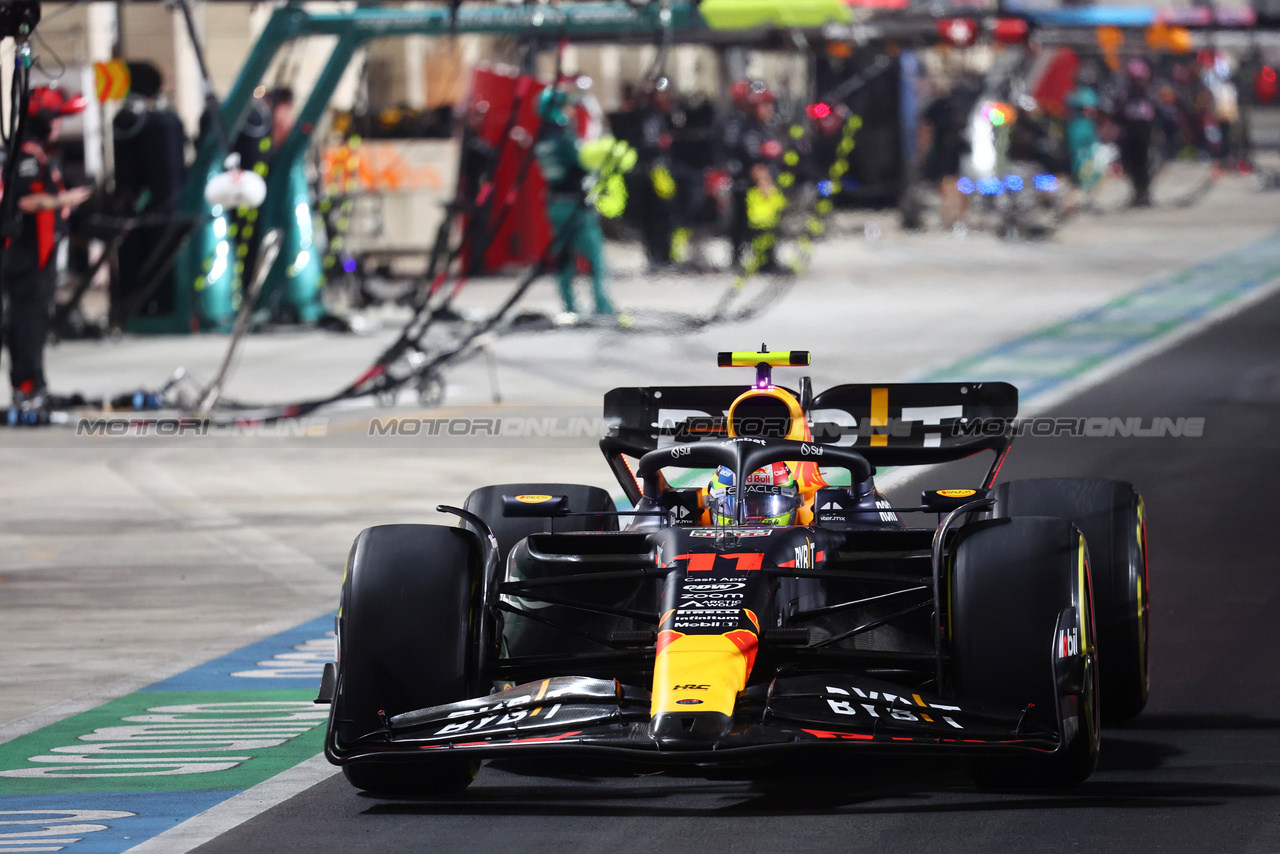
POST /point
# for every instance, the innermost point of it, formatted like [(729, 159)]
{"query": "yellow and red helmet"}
[(770, 496)]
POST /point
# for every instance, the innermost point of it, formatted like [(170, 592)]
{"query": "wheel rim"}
[(1091, 700)]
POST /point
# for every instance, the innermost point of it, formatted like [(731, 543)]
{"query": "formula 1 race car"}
[(766, 618)]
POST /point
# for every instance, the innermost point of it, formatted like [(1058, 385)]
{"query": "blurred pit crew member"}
[(655, 188), (475, 197), (751, 148), (575, 225), (30, 258), (1082, 136), (150, 173), (1136, 115), (942, 136)]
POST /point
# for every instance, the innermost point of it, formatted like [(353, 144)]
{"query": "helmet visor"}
[(775, 507)]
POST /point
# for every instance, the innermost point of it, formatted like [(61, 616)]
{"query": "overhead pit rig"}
[(205, 291)]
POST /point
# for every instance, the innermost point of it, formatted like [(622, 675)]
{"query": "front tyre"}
[(407, 639), (1013, 581)]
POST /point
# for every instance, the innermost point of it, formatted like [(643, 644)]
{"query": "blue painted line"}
[(96, 823), (291, 659), (76, 812)]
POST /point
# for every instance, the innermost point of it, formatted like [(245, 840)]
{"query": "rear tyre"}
[(406, 640), (486, 502), (1011, 580), (1111, 516)]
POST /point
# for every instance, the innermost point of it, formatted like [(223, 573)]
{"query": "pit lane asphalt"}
[(1198, 771)]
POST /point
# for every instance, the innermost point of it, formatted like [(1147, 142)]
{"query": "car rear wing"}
[(892, 424), (645, 419), (641, 420), (904, 424)]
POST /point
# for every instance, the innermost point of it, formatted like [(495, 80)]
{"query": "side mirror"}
[(535, 506), (946, 500)]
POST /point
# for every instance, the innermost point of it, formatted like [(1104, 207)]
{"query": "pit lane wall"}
[(106, 780)]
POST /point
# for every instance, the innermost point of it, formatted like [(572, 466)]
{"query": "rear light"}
[(818, 111)]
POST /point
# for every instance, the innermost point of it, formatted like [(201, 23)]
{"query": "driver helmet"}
[(769, 497)]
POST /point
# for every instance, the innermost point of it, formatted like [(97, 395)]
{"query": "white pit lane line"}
[(238, 809)]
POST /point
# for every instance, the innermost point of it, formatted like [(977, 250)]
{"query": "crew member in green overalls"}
[(574, 224)]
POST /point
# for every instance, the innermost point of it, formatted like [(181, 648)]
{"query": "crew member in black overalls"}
[(30, 256), (150, 173), (1136, 115), (655, 187), (475, 185), (750, 149)]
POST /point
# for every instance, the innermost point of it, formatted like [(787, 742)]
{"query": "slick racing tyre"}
[(1110, 514), (486, 502), (406, 640), (1012, 581)]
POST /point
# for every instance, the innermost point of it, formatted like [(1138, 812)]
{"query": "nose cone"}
[(695, 687), (689, 729)]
